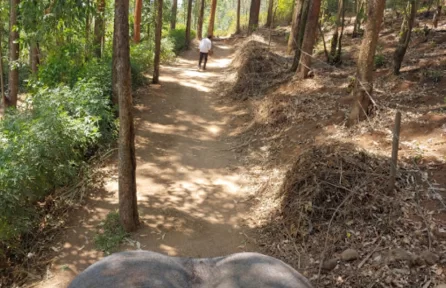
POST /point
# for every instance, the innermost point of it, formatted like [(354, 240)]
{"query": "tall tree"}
[(364, 76), (437, 13), (405, 34), (238, 30), (158, 30), (200, 19), (309, 38), (212, 18), (99, 28), (297, 30), (270, 16), (188, 23), (359, 9), (34, 57), (254, 13), (2, 84), (173, 16), (137, 22), (11, 99), (128, 210), (336, 41)]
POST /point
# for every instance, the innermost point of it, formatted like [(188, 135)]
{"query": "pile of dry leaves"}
[(257, 68), (338, 222)]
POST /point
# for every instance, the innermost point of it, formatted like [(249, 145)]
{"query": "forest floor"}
[(246, 157), (191, 194)]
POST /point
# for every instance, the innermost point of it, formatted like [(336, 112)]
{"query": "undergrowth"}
[(111, 234)]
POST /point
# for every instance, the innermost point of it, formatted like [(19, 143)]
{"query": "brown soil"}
[(191, 193)]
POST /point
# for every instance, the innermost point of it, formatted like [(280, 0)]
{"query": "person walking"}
[(205, 48)]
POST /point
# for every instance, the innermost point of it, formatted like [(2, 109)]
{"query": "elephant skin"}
[(152, 270)]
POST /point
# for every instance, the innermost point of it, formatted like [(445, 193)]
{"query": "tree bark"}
[(34, 57), (11, 99), (158, 30), (128, 210), (405, 34), (301, 19), (212, 18), (359, 6), (87, 31), (296, 25), (137, 23), (200, 19), (188, 23), (238, 30), (173, 19), (254, 13), (2, 82), (270, 16), (309, 38), (336, 41), (364, 76), (437, 14), (99, 28)]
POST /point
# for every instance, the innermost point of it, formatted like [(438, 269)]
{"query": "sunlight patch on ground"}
[(215, 130)]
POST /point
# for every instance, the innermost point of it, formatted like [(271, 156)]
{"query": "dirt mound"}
[(335, 208), (257, 69)]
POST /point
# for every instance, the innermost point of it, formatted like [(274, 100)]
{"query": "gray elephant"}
[(152, 270)]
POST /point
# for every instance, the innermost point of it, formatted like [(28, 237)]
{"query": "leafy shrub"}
[(380, 60), (112, 234), (43, 147), (62, 66), (178, 38), (141, 59)]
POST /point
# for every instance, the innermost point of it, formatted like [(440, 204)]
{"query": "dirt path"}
[(190, 185)]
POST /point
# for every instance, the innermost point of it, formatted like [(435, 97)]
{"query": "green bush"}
[(380, 60), (44, 146), (111, 234), (62, 66), (178, 38)]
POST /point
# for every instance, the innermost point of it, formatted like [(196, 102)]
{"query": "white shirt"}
[(205, 45)]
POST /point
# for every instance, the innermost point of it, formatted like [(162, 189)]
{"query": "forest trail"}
[(190, 185)]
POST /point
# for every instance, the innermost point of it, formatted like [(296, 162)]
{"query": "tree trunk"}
[(309, 38), (254, 13), (158, 30), (99, 28), (200, 19), (297, 15), (87, 31), (13, 84), (437, 14), (301, 19), (336, 41), (2, 82), (173, 17), (364, 75), (137, 23), (34, 57), (269, 18), (405, 34), (238, 30), (359, 6), (128, 210), (212, 18), (188, 23)]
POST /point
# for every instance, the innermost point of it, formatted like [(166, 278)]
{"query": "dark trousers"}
[(205, 57)]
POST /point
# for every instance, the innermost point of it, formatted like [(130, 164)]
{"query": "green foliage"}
[(178, 38), (44, 146), (433, 75), (62, 65), (111, 234), (380, 60)]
